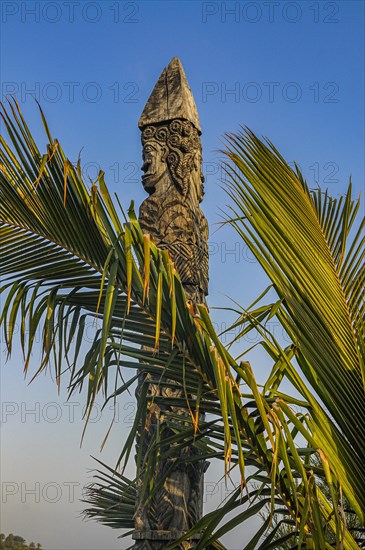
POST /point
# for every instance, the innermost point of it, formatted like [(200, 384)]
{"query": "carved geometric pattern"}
[(174, 227)]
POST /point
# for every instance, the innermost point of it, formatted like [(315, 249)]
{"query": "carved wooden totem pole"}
[(172, 157)]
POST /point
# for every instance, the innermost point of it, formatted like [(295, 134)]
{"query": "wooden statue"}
[(172, 157)]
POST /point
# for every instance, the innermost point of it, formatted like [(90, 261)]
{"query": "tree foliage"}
[(15, 542)]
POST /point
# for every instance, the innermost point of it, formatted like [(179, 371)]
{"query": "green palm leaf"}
[(111, 498), (301, 239), (68, 260)]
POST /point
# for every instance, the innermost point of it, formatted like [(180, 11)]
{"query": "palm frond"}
[(79, 263), (111, 499), (301, 239)]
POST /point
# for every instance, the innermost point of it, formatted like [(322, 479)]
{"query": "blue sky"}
[(292, 71)]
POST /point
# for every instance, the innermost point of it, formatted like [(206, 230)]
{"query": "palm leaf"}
[(111, 274), (111, 499), (301, 239)]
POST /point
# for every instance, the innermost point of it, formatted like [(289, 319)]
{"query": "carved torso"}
[(182, 230)]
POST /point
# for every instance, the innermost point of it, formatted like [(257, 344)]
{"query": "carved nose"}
[(145, 166)]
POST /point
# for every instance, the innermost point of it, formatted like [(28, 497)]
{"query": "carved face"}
[(154, 165), (173, 150)]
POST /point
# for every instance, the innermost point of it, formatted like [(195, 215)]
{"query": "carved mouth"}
[(147, 175)]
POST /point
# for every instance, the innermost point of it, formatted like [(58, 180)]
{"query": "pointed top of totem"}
[(171, 98)]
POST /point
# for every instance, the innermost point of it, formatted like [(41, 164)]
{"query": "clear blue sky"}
[(293, 71)]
